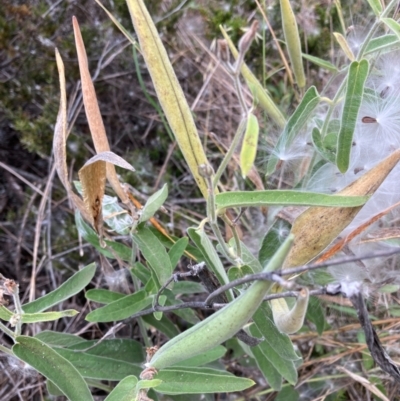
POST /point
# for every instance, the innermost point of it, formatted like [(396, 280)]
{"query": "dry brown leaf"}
[(93, 179), (317, 227), (59, 142), (93, 114)]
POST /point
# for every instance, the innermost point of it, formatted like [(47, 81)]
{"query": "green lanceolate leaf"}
[(319, 145), (103, 296), (295, 123), (125, 390), (272, 240), (382, 43), (121, 309), (259, 92), (119, 349), (393, 25), (277, 340), (177, 250), (284, 197), (249, 145), (199, 381), (153, 204), (169, 92), (320, 63), (376, 6), (99, 367), (56, 339), (344, 45), (154, 253), (53, 366), (47, 316), (315, 314), (358, 73), (6, 315), (292, 39), (72, 286), (113, 248), (271, 375), (285, 367), (210, 256)]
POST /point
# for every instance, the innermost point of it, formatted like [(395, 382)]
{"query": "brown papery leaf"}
[(59, 142), (111, 157), (317, 227), (92, 110), (93, 179)]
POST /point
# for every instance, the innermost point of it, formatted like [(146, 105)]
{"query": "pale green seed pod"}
[(290, 321), (293, 44), (249, 145), (223, 324)]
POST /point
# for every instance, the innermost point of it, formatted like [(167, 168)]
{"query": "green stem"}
[(229, 153), (6, 350), (235, 234), (7, 331)]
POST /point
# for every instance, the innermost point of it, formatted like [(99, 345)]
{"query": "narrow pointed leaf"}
[(177, 250), (103, 296), (154, 253), (153, 204), (319, 146), (271, 375), (285, 367), (393, 25), (376, 6), (120, 309), (126, 390), (47, 316), (56, 339), (197, 381), (295, 123), (320, 63), (169, 92), (354, 93), (263, 319), (72, 286), (119, 349), (285, 197), (210, 256), (116, 249), (99, 367), (382, 43), (53, 366)]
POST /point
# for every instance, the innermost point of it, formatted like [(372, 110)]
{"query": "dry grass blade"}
[(337, 247), (93, 115), (364, 382)]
